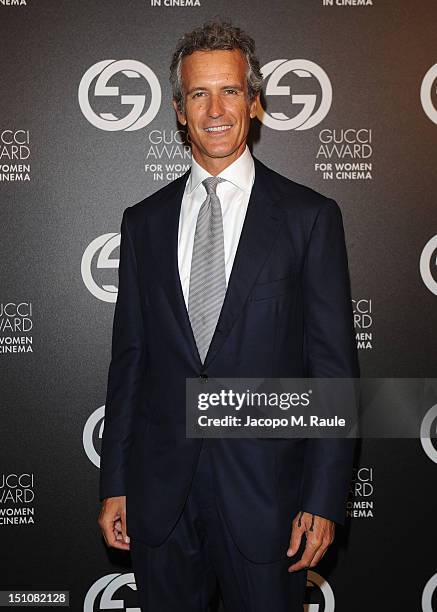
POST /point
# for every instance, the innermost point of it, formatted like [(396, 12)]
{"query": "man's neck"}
[(215, 165)]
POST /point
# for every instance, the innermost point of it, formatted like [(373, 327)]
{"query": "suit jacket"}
[(287, 313)]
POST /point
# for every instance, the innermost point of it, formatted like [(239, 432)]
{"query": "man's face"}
[(217, 108)]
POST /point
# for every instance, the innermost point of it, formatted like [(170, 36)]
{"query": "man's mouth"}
[(218, 128)]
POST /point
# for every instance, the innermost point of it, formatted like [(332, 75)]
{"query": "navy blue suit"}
[(287, 313)]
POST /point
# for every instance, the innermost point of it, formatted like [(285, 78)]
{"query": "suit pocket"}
[(271, 289)]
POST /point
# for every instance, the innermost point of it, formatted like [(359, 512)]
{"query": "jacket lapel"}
[(260, 229), (163, 225)]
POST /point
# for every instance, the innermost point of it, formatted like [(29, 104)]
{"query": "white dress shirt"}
[(233, 193)]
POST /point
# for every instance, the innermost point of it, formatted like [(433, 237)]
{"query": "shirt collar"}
[(240, 173)]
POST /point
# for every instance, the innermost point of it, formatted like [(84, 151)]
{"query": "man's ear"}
[(181, 116), (254, 106)]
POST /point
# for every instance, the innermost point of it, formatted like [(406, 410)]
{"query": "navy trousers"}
[(199, 555)]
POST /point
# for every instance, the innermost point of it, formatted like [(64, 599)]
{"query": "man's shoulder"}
[(155, 201), (290, 194)]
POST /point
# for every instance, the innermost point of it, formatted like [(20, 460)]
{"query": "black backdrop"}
[(73, 155)]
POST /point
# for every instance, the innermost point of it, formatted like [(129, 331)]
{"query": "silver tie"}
[(207, 276)]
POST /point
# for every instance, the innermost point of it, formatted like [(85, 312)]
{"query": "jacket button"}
[(203, 377)]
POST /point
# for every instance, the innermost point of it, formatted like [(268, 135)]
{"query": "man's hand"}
[(112, 521), (319, 534)]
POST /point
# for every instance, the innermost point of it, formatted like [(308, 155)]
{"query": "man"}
[(229, 271)]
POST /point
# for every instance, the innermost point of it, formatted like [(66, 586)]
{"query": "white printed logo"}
[(108, 586), (428, 593), (428, 257), (106, 244), (308, 117), (426, 90), (428, 421), (315, 580), (104, 71), (95, 420)]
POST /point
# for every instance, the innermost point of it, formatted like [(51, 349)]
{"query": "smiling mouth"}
[(218, 128)]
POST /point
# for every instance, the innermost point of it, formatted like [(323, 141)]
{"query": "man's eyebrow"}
[(231, 86), (196, 89)]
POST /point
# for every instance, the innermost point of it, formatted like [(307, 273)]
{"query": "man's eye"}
[(233, 91), (198, 93)]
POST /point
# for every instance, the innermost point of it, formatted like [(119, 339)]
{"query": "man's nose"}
[(215, 106)]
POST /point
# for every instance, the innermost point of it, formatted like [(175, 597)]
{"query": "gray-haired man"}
[(232, 270)]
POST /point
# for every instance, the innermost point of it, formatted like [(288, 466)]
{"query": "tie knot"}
[(211, 183)]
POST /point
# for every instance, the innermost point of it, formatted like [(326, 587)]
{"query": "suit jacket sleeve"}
[(126, 372), (330, 351)]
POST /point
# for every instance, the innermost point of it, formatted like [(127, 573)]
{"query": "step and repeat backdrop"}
[(86, 129)]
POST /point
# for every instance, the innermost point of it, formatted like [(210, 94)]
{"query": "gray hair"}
[(211, 36)]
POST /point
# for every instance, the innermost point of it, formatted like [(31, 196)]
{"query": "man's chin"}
[(220, 152)]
